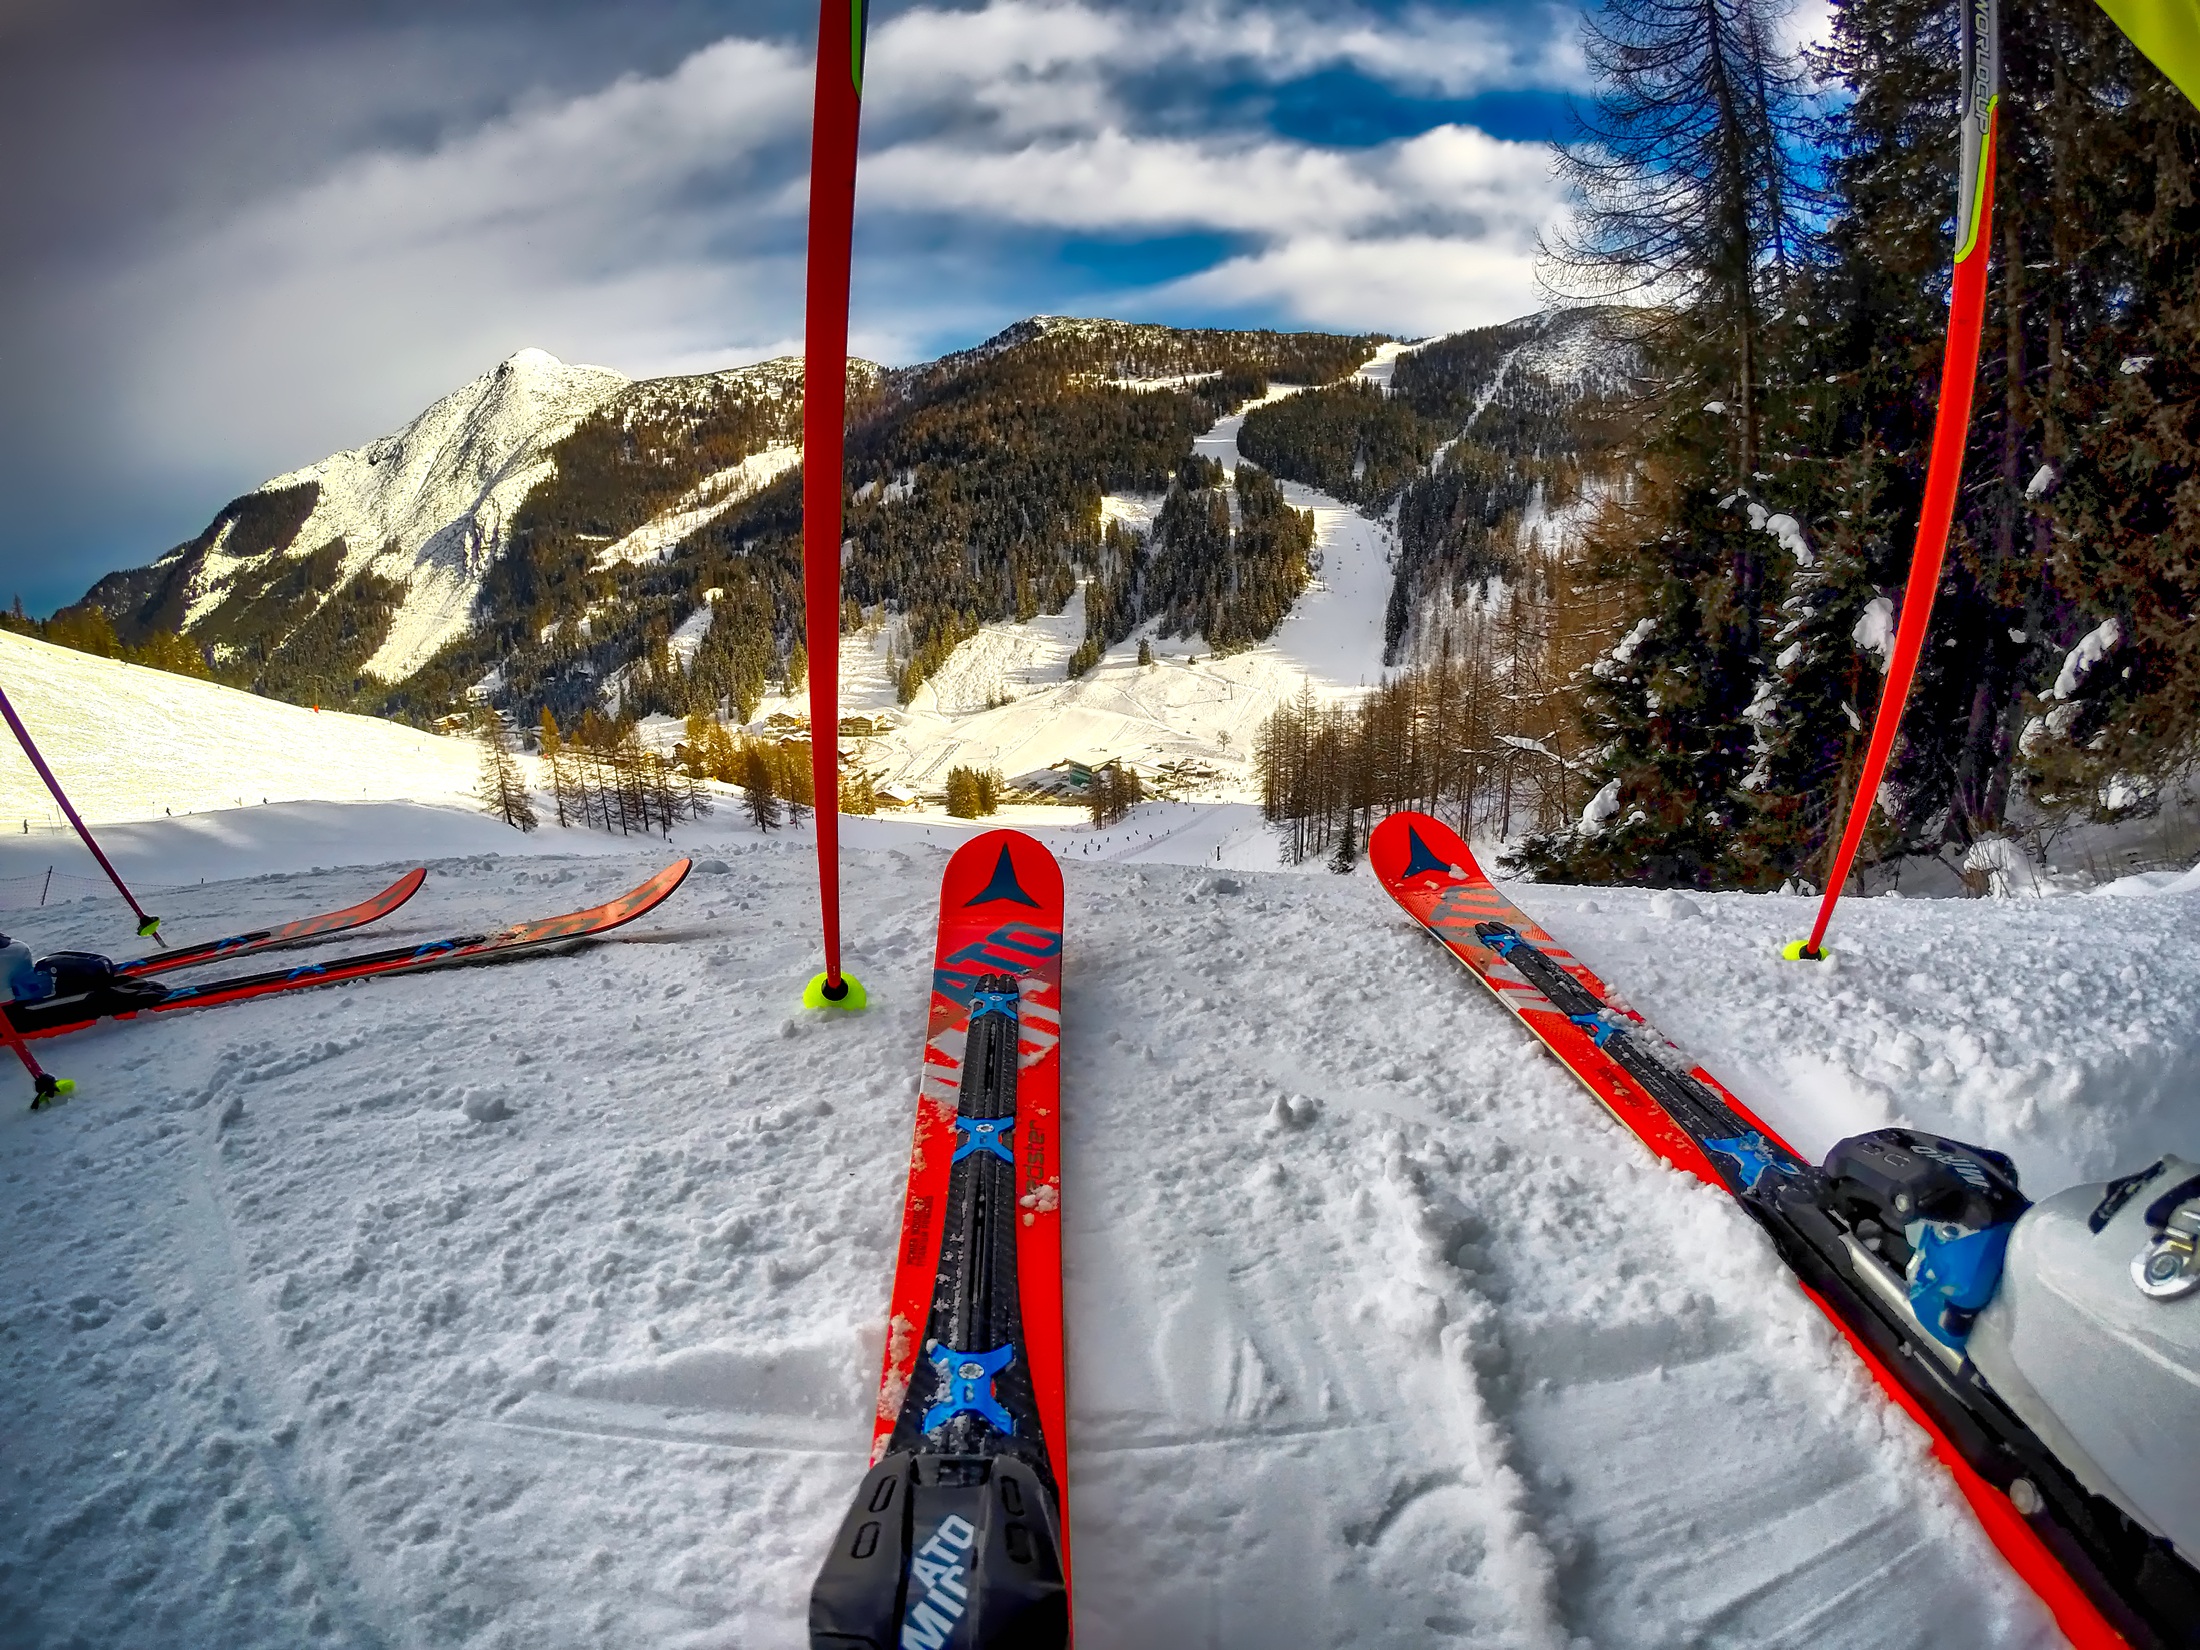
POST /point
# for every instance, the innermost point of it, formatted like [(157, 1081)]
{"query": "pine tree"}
[(1347, 853), (503, 791), (962, 793), (1114, 791), (1690, 173), (1688, 167), (552, 747), (857, 793), (797, 780), (759, 790)]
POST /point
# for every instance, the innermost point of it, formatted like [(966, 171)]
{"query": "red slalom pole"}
[(47, 1087), (833, 128), (1951, 429), (148, 927)]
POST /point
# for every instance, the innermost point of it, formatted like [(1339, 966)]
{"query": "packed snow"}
[(540, 1305)]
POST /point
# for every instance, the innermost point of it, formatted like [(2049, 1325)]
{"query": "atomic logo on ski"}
[(1420, 862), (939, 1564), (1004, 885)]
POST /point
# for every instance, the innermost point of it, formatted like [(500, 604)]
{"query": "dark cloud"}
[(244, 233)]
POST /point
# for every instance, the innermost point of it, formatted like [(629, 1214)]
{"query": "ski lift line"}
[(1951, 425), (148, 926), (834, 123)]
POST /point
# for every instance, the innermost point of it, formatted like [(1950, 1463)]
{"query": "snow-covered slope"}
[(132, 743), (1003, 699), (703, 504), (539, 1305), (429, 508)]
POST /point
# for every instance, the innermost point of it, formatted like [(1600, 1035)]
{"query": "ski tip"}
[(1800, 951), (818, 994)]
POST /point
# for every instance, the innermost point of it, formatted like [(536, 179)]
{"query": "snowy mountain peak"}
[(426, 507)]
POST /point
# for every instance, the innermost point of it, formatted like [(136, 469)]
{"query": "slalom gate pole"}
[(148, 927), (1951, 429), (834, 124)]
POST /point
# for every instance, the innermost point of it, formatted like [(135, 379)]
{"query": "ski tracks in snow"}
[(539, 1306)]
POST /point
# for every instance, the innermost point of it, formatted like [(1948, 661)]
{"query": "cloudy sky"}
[(242, 234)]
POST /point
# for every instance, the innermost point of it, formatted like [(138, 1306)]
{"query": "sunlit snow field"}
[(539, 1304)]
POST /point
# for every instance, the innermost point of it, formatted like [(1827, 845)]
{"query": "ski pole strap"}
[(147, 927), (1951, 428)]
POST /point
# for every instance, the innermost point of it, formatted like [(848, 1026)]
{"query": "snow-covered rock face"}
[(428, 506)]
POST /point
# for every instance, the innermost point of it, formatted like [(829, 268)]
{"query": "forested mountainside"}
[(1475, 428), (1682, 689), (575, 522)]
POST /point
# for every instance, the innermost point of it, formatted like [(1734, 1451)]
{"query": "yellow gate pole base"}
[(851, 998), (1799, 951)]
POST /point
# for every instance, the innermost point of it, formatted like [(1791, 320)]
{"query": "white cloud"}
[(656, 224), (1806, 23), (1037, 64), (1444, 224), (1416, 285)]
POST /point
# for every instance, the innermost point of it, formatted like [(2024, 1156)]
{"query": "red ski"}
[(125, 998), (959, 1534), (2077, 1553), (289, 933)]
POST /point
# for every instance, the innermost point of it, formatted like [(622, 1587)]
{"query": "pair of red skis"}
[(958, 1535), (131, 989)]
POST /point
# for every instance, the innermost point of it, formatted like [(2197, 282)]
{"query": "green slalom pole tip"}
[(1800, 951), (51, 1089), (148, 928), (817, 994)]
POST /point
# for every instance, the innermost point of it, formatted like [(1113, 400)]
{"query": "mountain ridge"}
[(547, 527)]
